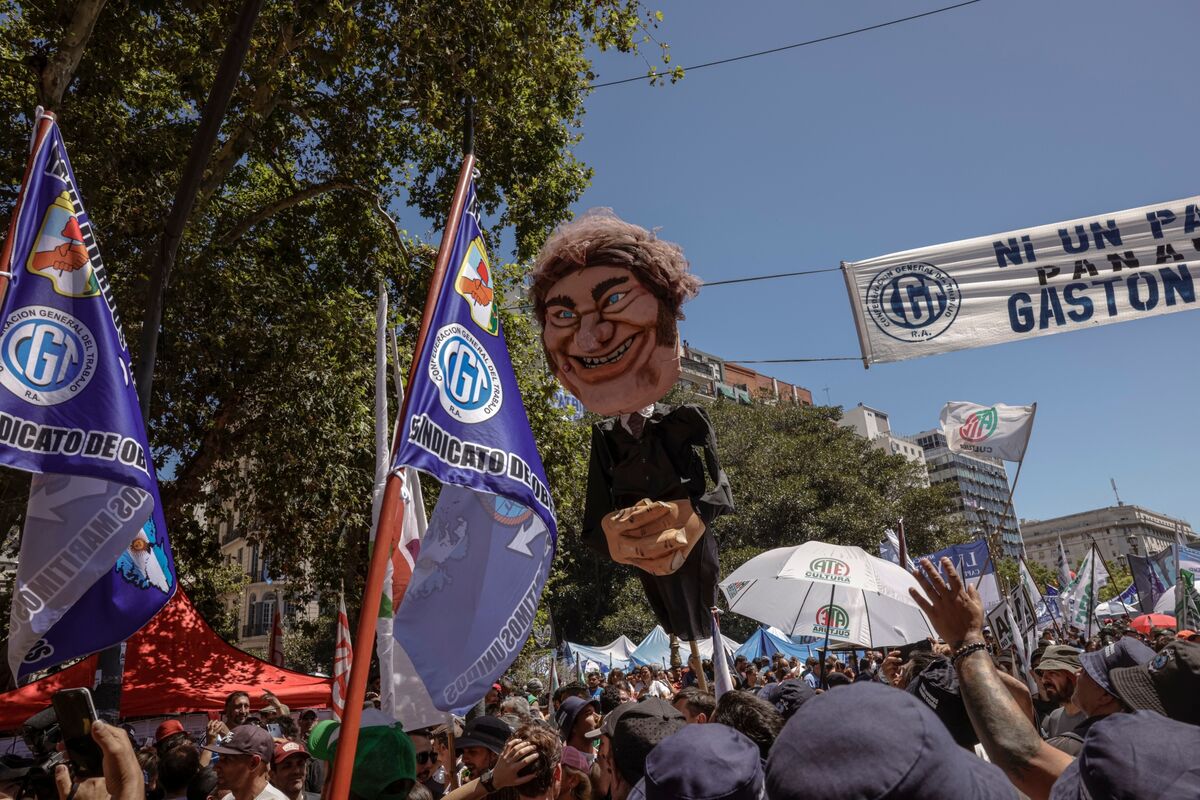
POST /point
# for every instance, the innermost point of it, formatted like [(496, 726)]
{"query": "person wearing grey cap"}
[(1057, 673)]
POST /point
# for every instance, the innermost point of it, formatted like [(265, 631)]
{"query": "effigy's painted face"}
[(602, 334)]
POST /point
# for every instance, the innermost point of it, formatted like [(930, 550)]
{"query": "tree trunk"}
[(185, 197)]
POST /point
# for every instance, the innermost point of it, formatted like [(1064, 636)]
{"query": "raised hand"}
[(955, 609)]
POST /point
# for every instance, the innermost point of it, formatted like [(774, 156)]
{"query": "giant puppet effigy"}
[(609, 295)]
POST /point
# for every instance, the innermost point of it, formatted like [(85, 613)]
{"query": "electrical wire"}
[(789, 360), (831, 37), (770, 277)]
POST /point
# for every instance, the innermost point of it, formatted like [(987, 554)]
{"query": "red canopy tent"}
[(177, 663)]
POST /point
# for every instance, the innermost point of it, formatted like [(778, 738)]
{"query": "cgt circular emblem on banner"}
[(468, 384), (47, 356), (913, 302)]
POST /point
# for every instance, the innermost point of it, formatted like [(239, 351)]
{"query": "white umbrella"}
[(826, 590), (1166, 602), (1115, 608)]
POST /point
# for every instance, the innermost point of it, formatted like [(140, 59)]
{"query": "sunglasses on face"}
[(427, 757)]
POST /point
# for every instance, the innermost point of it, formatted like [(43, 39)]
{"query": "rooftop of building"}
[(1119, 512)]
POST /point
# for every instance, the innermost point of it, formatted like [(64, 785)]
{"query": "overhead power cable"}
[(831, 37), (790, 360), (769, 277)]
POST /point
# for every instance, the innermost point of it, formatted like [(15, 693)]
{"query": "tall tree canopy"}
[(262, 396)]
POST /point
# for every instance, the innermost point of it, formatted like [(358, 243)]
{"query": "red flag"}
[(275, 645), (343, 657)]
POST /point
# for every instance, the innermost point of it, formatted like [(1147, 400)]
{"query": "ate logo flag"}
[(483, 561), (95, 564)]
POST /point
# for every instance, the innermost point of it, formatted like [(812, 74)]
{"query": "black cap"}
[(787, 696), (568, 711), (485, 731), (937, 687), (1170, 684), (634, 739), (650, 708), (1127, 756), (917, 757)]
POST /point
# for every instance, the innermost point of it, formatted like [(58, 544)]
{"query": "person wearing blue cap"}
[(704, 762), (913, 757), (575, 718), (1094, 690), (1007, 734), (1134, 756)]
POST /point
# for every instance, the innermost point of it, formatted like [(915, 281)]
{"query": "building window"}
[(251, 609)]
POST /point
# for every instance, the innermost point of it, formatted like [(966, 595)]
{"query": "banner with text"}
[(1026, 283)]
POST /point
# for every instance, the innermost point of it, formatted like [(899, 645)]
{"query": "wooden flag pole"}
[(701, 681), (43, 122), (364, 640)]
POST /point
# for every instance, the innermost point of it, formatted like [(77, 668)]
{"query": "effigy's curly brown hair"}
[(601, 238)]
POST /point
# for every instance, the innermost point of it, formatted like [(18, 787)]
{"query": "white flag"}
[(997, 431), (1089, 580), (1014, 286)]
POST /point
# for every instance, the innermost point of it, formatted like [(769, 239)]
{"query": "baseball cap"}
[(568, 711), (484, 731), (732, 769), (916, 759), (1129, 756), (651, 707), (1124, 652), (635, 738), (286, 750), (787, 696), (1169, 684), (937, 687), (1059, 656), (575, 759), (168, 728), (384, 754), (246, 740)]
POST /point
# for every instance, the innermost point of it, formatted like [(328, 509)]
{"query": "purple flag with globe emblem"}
[(487, 551), (95, 564)]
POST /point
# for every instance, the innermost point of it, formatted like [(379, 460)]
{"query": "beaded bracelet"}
[(966, 650)]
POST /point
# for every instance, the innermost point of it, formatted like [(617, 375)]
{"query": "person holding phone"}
[(102, 763)]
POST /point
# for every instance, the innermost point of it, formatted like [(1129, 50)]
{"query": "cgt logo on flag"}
[(980, 425)]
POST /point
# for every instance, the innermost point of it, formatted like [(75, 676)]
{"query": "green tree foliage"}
[(796, 476), (262, 398)]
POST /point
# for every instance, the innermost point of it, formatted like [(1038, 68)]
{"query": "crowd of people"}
[(950, 718)]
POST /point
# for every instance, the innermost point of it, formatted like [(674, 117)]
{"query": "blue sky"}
[(999, 115)]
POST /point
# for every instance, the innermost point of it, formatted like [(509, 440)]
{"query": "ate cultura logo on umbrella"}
[(832, 620), (980, 425), (833, 570)]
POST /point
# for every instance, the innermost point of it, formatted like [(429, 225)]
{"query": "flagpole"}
[(1091, 601), (364, 642), (903, 548), (44, 122), (828, 625)]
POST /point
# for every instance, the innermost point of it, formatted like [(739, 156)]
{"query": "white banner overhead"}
[(1033, 282)]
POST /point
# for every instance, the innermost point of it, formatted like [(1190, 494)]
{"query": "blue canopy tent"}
[(655, 649), (617, 654), (765, 643)]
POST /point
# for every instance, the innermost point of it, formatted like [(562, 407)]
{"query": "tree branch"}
[(57, 73), (284, 203)]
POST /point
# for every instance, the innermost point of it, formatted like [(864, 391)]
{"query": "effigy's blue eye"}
[(614, 298)]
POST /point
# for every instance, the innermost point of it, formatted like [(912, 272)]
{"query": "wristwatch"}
[(485, 780)]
